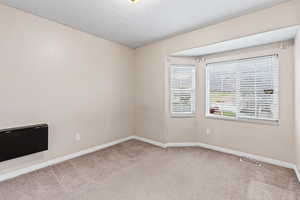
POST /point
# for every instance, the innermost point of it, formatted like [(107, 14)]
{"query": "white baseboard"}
[(248, 155), (186, 144), (159, 144), (26, 170), (224, 150), (19, 172), (297, 172)]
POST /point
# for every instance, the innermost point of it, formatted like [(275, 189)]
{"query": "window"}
[(182, 90), (243, 89)]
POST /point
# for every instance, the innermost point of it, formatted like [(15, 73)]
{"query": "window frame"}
[(194, 92), (247, 120)]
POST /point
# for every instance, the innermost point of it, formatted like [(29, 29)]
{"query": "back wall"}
[(152, 119)]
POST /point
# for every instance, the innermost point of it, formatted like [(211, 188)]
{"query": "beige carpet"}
[(139, 171)]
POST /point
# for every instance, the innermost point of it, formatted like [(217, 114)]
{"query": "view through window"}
[(182, 90), (243, 89)]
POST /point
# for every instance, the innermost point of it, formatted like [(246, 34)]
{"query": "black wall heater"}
[(21, 141)]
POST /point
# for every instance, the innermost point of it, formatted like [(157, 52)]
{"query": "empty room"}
[(150, 100)]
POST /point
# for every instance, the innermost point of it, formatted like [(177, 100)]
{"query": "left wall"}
[(75, 82)]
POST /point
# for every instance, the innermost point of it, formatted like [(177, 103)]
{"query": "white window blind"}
[(244, 89), (182, 90)]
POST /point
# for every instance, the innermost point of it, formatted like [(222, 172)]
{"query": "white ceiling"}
[(138, 24)]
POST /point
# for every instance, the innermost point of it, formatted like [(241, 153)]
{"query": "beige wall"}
[(297, 98), (73, 81), (259, 139), (151, 109)]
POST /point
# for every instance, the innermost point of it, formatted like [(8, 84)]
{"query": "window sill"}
[(183, 116), (255, 121)]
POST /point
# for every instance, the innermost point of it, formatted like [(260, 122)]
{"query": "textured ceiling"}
[(135, 25)]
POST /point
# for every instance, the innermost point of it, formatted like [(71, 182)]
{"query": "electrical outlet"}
[(77, 137), (208, 131)]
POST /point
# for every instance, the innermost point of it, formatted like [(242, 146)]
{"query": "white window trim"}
[(257, 121), (182, 115)]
